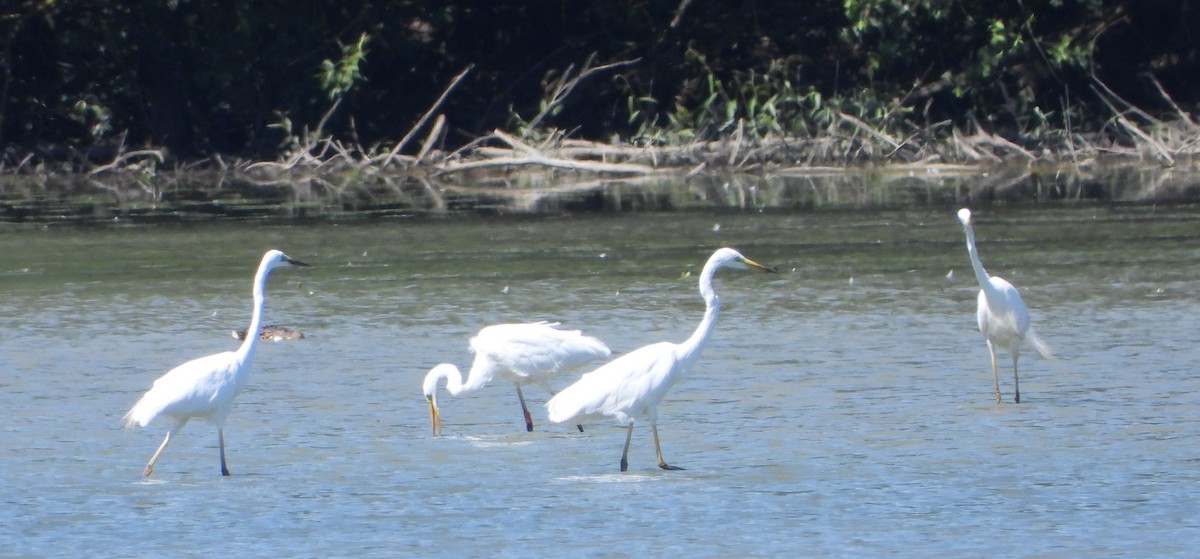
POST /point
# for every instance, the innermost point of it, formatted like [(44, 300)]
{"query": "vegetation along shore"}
[(421, 96)]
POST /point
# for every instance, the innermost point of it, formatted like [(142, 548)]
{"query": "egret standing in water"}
[(523, 354), (1001, 314), (205, 387), (631, 386)]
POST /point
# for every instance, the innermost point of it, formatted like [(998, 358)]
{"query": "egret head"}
[(275, 257), (727, 257), (430, 388), (964, 216)]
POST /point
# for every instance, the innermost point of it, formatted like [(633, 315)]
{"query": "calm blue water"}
[(843, 408)]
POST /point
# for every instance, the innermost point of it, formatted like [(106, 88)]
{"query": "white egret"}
[(631, 386), (523, 354), (1001, 314), (205, 388)]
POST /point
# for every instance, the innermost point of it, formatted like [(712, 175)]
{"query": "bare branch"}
[(565, 86), (679, 13), (121, 158), (420, 123), (435, 135)]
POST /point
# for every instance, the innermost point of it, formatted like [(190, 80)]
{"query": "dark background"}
[(212, 77)]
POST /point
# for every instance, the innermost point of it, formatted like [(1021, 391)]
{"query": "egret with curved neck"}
[(522, 353), (205, 387), (631, 386), (1000, 313)]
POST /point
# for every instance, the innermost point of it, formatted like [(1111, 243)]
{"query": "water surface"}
[(844, 407)]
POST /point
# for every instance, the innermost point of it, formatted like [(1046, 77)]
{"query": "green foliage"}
[(338, 77), (237, 78), (284, 125), (96, 118), (763, 104)]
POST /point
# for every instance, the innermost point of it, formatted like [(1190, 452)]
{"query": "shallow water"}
[(844, 407)]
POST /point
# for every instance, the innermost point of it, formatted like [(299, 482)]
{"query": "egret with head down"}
[(522, 353)]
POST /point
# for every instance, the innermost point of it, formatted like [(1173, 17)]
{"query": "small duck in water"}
[(272, 332)]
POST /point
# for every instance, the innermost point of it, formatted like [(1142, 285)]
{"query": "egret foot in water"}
[(205, 387), (522, 353), (657, 450), (631, 386), (1000, 313)]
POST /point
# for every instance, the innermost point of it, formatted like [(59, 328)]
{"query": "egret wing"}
[(627, 386), (536, 350), (197, 388)]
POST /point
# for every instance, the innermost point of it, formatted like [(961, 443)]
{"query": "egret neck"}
[(989, 291), (690, 349)]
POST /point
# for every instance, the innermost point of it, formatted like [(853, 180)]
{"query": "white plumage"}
[(625, 388), (1000, 313), (204, 388), (631, 386), (522, 353)]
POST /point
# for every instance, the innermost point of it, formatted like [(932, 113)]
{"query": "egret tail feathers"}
[(580, 400), (144, 411), (596, 348), (558, 409), (1038, 345)]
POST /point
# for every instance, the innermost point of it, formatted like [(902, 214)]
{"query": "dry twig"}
[(123, 157), (420, 123), (565, 86)]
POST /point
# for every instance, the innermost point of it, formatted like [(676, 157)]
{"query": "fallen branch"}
[(420, 123), (552, 162), (1001, 142), (1174, 106), (121, 158), (564, 86), (870, 131), (435, 135), (515, 143), (1157, 147)]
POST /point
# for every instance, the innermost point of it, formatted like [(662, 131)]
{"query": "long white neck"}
[(454, 379), (691, 348), (981, 274), (260, 280), (989, 290)]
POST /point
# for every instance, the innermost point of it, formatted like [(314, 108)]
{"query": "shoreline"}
[(503, 174), (134, 194)]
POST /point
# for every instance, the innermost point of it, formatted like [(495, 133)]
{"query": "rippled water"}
[(843, 408)]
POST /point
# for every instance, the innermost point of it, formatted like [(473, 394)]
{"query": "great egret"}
[(631, 386), (1001, 314), (273, 332), (523, 354), (205, 387)]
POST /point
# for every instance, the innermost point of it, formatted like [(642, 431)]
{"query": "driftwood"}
[(425, 118), (521, 154)]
